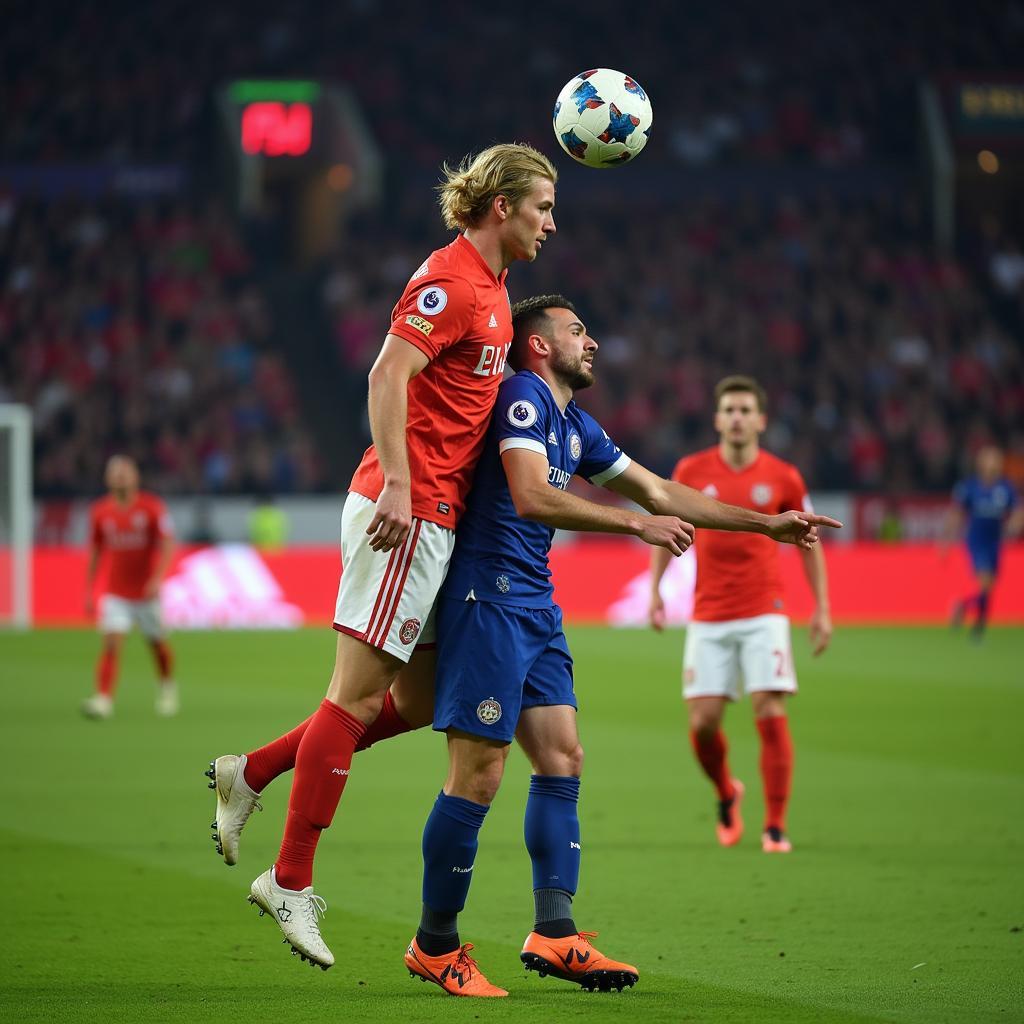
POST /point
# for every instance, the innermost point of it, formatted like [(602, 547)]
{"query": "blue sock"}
[(449, 849), (552, 829)]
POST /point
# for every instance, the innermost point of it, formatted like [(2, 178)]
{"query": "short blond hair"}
[(509, 169)]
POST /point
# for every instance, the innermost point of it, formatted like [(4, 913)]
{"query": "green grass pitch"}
[(903, 900)]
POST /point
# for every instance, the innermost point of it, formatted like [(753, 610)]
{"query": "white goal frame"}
[(16, 423)]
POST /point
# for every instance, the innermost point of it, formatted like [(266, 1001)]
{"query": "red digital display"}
[(277, 129)]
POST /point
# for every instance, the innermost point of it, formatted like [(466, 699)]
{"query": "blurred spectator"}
[(268, 525), (143, 330)]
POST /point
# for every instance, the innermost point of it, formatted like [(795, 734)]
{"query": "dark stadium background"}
[(830, 201)]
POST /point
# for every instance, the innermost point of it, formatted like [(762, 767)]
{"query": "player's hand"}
[(667, 532), (392, 518), (151, 590), (656, 613), (799, 528), (820, 631)]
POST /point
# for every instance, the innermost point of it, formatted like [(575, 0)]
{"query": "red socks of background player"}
[(265, 764), (163, 658), (322, 763), (711, 750), (776, 768), (106, 672)]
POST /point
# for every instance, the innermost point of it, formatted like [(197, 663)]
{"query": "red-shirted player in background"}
[(133, 530), (431, 392), (739, 629)]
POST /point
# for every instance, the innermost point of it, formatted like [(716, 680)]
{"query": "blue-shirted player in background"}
[(989, 506), (504, 668)]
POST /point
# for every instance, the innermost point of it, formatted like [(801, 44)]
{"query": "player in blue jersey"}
[(985, 510), (504, 669)]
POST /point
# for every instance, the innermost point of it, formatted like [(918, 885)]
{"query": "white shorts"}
[(119, 614), (755, 652), (386, 598)]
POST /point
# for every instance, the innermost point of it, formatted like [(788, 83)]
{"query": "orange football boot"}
[(456, 972), (773, 840), (575, 959), (730, 822)]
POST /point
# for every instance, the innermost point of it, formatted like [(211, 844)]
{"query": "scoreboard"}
[(276, 118)]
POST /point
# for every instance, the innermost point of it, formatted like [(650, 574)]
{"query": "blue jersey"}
[(987, 507), (498, 556)]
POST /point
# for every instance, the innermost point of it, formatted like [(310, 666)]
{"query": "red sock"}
[(164, 659), (711, 752), (776, 768), (106, 673), (264, 765), (387, 724), (321, 770)]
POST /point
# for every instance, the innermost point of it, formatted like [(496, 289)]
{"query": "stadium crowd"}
[(884, 363), (145, 332), (130, 80), (149, 329)]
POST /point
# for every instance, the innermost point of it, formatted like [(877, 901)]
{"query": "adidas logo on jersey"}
[(493, 322), (552, 439)]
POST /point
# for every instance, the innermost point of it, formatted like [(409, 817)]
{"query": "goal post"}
[(15, 516)]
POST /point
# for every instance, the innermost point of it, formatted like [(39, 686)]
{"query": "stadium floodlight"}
[(15, 516)]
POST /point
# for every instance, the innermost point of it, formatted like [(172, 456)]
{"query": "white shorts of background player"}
[(726, 659)]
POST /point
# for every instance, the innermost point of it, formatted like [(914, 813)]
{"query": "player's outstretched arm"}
[(666, 497), (388, 408), (534, 498)]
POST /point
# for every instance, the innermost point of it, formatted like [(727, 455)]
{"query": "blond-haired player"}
[(431, 392), (739, 636)]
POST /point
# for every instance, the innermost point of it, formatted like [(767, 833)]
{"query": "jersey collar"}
[(732, 469), (550, 392), (465, 244)]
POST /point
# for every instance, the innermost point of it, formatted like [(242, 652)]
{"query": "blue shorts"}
[(984, 557), (493, 660)]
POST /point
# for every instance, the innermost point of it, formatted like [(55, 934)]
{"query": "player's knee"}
[(565, 762), (478, 777), (483, 787), (365, 709), (704, 725), (574, 762)]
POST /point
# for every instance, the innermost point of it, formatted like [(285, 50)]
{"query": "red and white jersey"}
[(130, 535), (738, 574), (457, 313)]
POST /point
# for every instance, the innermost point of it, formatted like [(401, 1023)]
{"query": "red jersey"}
[(738, 574), (457, 313), (131, 535)]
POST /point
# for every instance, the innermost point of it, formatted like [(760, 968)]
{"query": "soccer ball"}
[(602, 118)]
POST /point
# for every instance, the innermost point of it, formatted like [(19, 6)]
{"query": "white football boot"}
[(99, 705), (296, 914), (235, 802), (167, 702)]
